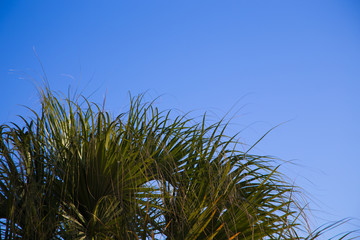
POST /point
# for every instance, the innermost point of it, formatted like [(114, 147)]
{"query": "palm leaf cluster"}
[(75, 172)]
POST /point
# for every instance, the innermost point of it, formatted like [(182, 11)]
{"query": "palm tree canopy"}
[(75, 172)]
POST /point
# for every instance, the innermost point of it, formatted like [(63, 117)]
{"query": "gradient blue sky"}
[(273, 61)]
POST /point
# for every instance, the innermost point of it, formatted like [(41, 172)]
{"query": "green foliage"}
[(74, 172)]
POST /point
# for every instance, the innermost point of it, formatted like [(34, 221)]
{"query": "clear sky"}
[(273, 60)]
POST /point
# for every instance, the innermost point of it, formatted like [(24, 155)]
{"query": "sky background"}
[(262, 62)]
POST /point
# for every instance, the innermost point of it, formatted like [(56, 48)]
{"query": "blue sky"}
[(272, 61)]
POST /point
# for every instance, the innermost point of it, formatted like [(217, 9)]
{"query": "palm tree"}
[(75, 172)]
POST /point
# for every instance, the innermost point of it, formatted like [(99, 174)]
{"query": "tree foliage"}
[(73, 171)]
